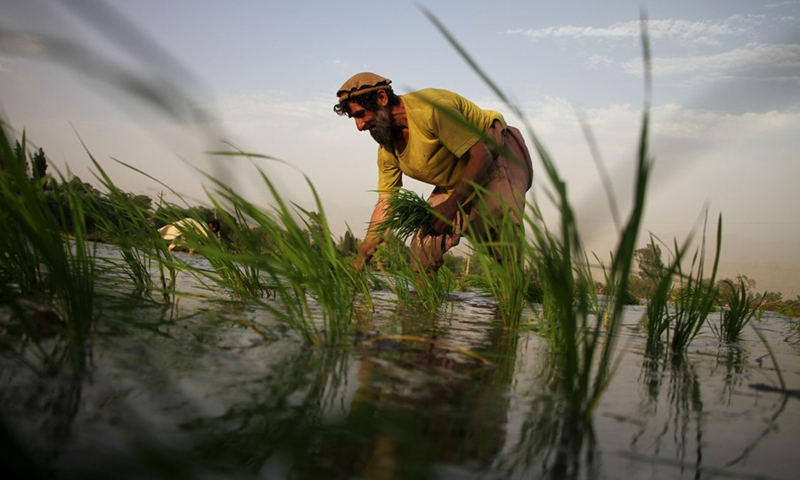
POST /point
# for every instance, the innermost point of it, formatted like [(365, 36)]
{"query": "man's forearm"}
[(480, 158)]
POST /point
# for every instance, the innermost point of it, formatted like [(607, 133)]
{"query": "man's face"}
[(379, 123)]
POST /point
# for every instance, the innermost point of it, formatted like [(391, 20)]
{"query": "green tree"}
[(637, 286), (142, 202), (348, 244), (649, 260), (725, 288), (770, 300), (455, 263), (651, 267), (39, 167)]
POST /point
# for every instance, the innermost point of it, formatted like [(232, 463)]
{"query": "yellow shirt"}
[(442, 127)]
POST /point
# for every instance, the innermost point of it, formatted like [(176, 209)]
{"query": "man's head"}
[(368, 98), (360, 85)]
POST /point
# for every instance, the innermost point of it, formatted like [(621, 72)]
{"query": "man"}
[(214, 226), (440, 138)]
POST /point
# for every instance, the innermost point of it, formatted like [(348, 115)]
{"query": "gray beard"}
[(383, 133)]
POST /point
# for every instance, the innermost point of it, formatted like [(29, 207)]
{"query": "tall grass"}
[(499, 251), (739, 312), (657, 317), (244, 280), (132, 231), (37, 262), (412, 286), (681, 300), (695, 297), (313, 284)]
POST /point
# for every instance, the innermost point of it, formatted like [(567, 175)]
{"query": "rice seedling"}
[(499, 252), (411, 287), (657, 318), (392, 260), (695, 297), (40, 263), (308, 276), (407, 212), (243, 280), (739, 312), (573, 315), (140, 244), (131, 230), (432, 290), (399, 285)]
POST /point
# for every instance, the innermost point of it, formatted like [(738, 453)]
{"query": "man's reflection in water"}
[(421, 406)]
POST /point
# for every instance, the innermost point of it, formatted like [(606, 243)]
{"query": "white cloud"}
[(753, 55), (781, 4), (596, 61), (673, 123), (681, 31)]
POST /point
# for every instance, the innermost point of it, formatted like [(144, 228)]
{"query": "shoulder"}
[(424, 107), (429, 96)]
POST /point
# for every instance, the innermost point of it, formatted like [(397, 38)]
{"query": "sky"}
[(158, 85)]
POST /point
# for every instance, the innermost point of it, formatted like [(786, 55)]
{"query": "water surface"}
[(190, 391)]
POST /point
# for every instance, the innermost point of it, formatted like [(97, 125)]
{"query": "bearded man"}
[(440, 138)]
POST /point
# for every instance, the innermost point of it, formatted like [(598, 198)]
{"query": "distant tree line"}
[(643, 284)]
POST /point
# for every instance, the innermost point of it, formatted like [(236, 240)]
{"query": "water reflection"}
[(191, 393), (39, 412), (550, 441), (389, 409), (733, 359), (678, 431)]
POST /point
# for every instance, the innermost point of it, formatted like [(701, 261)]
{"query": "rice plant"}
[(139, 243), (39, 263), (406, 213), (314, 286), (657, 317), (739, 312), (412, 287), (499, 251), (432, 290), (242, 279), (695, 296)]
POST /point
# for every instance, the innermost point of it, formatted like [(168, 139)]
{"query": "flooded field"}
[(208, 388)]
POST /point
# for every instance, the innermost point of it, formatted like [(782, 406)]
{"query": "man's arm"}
[(479, 158), (374, 236)]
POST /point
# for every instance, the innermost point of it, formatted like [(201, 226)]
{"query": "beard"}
[(382, 128)]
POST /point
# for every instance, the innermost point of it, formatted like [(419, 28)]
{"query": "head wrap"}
[(362, 83)]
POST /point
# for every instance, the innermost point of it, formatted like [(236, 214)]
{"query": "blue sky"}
[(725, 103)]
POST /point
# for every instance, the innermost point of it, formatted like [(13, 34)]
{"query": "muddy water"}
[(189, 392)]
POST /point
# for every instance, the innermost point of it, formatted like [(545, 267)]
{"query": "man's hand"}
[(445, 216), (359, 265)]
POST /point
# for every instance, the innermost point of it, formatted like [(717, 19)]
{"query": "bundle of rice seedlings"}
[(406, 213)]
